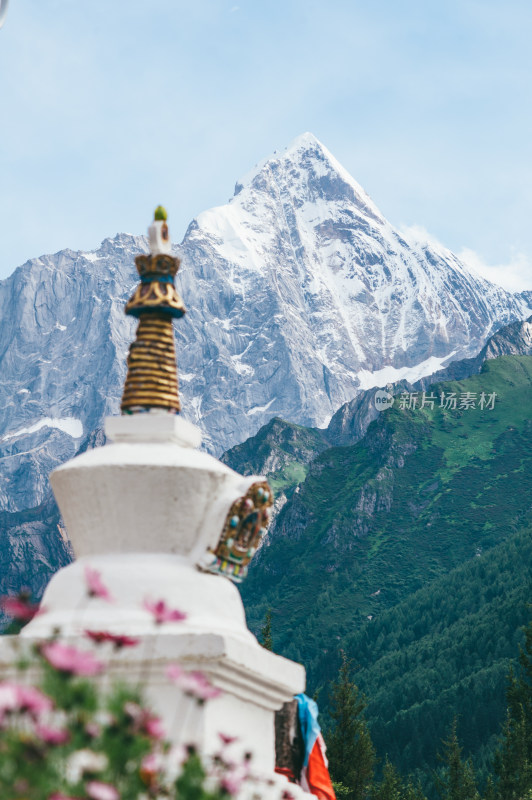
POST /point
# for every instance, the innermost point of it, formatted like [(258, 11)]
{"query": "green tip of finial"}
[(160, 214)]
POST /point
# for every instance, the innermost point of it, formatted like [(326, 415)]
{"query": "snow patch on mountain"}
[(387, 375), (73, 427), (260, 409)]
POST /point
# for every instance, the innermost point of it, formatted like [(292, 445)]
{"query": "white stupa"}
[(161, 520)]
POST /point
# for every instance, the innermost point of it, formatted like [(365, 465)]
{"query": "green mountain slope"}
[(280, 449), (422, 492), (411, 549), (445, 651)]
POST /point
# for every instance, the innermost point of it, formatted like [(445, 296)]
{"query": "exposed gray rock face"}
[(63, 340), (512, 340), (297, 289), (300, 289), (527, 297), (34, 546), (275, 446), (352, 420)]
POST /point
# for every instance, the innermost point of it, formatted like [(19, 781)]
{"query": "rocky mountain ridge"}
[(424, 491), (283, 450), (298, 291), (351, 421)]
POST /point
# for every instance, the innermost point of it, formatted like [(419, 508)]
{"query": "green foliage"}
[(411, 549), (408, 503), (63, 735), (342, 792), (349, 747), (413, 791), (444, 650), (513, 759), (33, 767), (286, 478), (281, 449), (266, 639), (457, 779), (192, 782), (390, 787)]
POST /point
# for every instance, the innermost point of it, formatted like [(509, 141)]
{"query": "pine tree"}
[(457, 780), (490, 792), (513, 759), (413, 791), (266, 639), (391, 785), (350, 750)]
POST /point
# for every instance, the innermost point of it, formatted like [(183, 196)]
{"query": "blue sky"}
[(109, 107)]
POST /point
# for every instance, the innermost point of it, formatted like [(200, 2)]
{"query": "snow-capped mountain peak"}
[(307, 163), (297, 291)]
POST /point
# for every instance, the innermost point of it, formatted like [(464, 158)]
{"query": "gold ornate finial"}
[(152, 370)]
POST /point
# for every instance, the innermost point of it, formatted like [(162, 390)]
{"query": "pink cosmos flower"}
[(93, 730), (19, 608), (227, 740), (71, 660), (151, 764), (18, 697), (231, 784), (194, 684), (133, 710), (163, 613), (153, 727), (117, 640), (144, 721), (8, 698), (101, 791), (52, 735), (232, 780), (33, 700), (95, 585)]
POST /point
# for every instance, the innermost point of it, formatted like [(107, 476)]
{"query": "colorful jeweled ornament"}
[(245, 525)]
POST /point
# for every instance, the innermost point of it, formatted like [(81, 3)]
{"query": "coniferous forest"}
[(400, 573), (505, 775)]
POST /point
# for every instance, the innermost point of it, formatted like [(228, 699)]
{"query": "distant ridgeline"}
[(410, 549)]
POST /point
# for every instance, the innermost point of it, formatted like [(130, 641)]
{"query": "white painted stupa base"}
[(148, 490), (210, 602), (213, 639), (254, 683), (143, 510)]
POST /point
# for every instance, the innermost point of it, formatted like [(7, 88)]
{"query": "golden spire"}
[(152, 371)]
